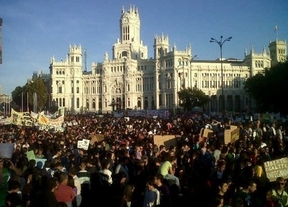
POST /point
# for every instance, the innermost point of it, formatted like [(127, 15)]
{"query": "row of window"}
[(282, 51), (63, 82), (125, 32), (98, 89), (60, 72), (150, 87), (219, 74), (61, 102), (216, 84), (259, 63), (118, 69), (122, 68), (77, 59), (121, 103)]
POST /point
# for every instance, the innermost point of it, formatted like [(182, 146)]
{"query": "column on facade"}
[(156, 85), (176, 87)]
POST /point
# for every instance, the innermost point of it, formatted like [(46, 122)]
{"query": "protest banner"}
[(42, 119), (6, 150), (276, 168), (166, 140)]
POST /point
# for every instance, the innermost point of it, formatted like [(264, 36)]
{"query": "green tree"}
[(269, 88), (17, 97), (191, 97), (38, 87), (35, 86)]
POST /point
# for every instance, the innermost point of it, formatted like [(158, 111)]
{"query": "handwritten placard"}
[(6, 150), (83, 144), (231, 135), (166, 140), (205, 133), (235, 134), (96, 138), (276, 168)]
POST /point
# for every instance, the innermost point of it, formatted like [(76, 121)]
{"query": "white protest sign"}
[(83, 144), (40, 163)]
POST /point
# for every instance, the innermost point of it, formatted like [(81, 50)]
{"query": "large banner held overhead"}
[(276, 168), (41, 120), (21, 118)]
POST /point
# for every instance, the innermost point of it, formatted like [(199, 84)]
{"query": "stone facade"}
[(130, 80)]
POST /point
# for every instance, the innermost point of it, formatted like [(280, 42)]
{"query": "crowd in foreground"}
[(127, 169)]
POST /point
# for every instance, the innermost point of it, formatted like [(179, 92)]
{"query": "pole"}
[(220, 43), (27, 108), (4, 106), (22, 104), (35, 103), (9, 106), (222, 78), (177, 95)]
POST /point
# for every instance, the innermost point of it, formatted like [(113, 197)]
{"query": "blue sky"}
[(35, 30)]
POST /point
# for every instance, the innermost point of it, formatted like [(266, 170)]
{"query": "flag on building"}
[(275, 29)]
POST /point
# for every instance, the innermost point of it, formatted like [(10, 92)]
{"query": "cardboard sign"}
[(231, 135), (166, 140), (201, 132), (276, 168), (205, 133), (235, 135), (96, 138), (6, 150)]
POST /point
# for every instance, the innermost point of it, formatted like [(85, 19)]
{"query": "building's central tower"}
[(130, 26), (130, 45)]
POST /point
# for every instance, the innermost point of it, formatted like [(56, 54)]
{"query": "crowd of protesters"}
[(127, 169)]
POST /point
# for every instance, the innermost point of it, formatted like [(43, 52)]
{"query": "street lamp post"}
[(220, 43)]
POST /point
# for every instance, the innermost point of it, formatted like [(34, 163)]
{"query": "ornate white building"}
[(130, 80)]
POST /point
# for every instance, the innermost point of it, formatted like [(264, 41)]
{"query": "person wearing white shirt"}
[(273, 130), (152, 194), (73, 172), (105, 170), (279, 132)]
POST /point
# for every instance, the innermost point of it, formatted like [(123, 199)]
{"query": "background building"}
[(129, 80), (5, 104)]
